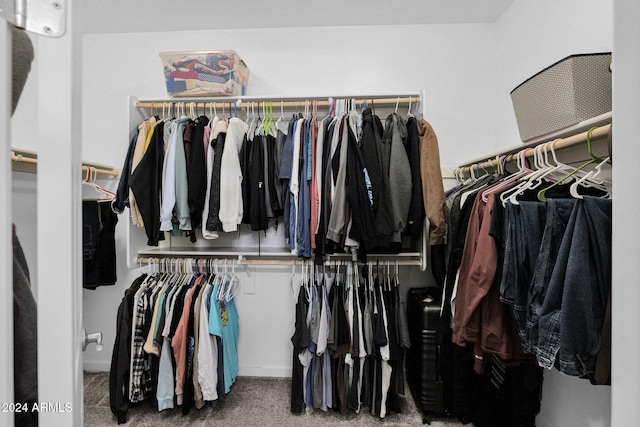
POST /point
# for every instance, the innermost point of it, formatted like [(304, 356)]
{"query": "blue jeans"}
[(571, 317), (523, 229), (558, 212)]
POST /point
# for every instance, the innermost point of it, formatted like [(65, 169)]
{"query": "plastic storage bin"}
[(204, 73), (574, 89)]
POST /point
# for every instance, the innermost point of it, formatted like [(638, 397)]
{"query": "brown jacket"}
[(432, 187), (480, 317)]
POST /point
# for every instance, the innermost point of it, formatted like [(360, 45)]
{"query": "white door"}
[(6, 260)]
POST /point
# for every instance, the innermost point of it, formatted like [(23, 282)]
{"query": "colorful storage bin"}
[(204, 73)]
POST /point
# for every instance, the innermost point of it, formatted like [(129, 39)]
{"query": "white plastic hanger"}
[(542, 170), (90, 176), (233, 286), (589, 180), (573, 171), (409, 113)]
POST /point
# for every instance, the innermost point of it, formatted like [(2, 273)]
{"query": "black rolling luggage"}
[(424, 358)]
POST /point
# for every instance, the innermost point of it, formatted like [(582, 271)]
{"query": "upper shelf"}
[(568, 136)]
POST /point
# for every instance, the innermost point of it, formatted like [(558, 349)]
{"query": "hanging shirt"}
[(207, 351), (144, 129), (210, 218), (338, 220), (231, 176), (169, 177), (182, 212), (294, 185), (304, 209)]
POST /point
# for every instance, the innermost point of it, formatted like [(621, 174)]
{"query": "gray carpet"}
[(253, 401)]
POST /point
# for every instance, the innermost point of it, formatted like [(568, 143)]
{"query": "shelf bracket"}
[(44, 17)]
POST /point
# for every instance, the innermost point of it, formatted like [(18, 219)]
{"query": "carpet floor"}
[(253, 401)]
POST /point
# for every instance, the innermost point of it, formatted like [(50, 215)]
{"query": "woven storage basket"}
[(572, 90)]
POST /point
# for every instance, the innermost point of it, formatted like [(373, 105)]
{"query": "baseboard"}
[(96, 365), (264, 371)]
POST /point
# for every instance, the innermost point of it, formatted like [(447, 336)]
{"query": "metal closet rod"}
[(558, 144), (30, 158), (240, 260), (284, 102)]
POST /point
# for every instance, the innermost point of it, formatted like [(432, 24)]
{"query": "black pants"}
[(98, 244)]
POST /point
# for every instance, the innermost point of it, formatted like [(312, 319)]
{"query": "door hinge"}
[(45, 17)]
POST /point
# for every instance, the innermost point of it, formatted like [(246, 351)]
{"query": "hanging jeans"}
[(523, 228), (573, 311)]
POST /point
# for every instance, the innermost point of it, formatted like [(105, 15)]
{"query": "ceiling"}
[(126, 16)]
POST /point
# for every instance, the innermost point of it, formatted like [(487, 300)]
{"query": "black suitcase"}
[(424, 358)]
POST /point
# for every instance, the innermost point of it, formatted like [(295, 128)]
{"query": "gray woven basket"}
[(572, 90)]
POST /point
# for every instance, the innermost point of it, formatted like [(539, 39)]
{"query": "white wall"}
[(453, 63), (533, 35)]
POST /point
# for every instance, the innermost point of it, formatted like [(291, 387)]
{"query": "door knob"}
[(92, 338)]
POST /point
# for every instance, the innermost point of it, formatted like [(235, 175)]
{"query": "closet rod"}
[(512, 155), (239, 260), (285, 102), (30, 159)]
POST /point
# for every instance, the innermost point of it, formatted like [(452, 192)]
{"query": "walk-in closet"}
[(266, 276)]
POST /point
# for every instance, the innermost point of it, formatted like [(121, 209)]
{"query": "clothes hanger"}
[(233, 287), (507, 181), (270, 125), (223, 282), (215, 281), (589, 180), (90, 176), (260, 122), (409, 113), (252, 124), (305, 281), (397, 274), (294, 288), (281, 123), (542, 170), (541, 193)]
